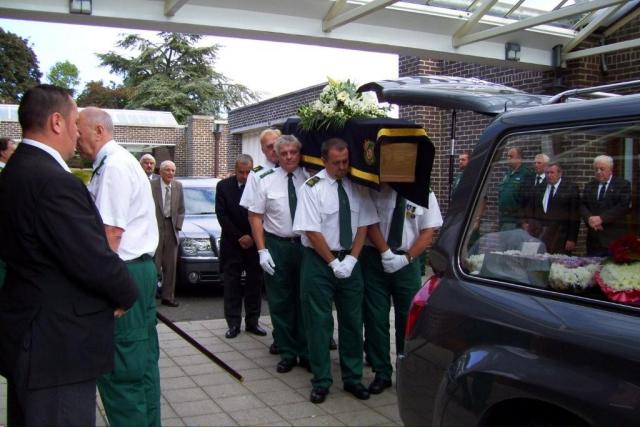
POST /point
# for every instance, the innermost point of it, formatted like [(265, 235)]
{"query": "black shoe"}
[(170, 303), (273, 348), (285, 365), (232, 332), (318, 394), (256, 330), (358, 390), (304, 363), (378, 386), (332, 344)]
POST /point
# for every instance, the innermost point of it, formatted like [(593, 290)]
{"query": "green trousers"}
[(283, 295), (131, 393), (3, 272), (319, 288), (380, 289)]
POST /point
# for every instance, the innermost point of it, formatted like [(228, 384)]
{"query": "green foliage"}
[(96, 94), (18, 67), (83, 174), (64, 74), (339, 102), (175, 75)]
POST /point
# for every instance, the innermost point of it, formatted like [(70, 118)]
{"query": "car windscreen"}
[(199, 201)]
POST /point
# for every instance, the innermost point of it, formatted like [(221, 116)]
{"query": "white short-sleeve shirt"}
[(252, 183), (318, 209), (122, 194), (271, 199), (416, 218)]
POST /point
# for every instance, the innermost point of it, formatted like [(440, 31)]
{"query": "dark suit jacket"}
[(63, 282), (177, 206), (561, 222), (233, 218), (612, 209)]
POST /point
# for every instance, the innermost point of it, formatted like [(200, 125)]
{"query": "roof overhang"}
[(463, 30)]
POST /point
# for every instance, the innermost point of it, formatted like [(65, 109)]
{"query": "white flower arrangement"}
[(621, 277), (564, 278), (474, 263), (339, 102)]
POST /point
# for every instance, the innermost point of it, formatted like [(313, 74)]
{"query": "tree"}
[(175, 75), (64, 74), (18, 67), (96, 94)]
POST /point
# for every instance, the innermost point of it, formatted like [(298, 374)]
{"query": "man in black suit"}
[(64, 285), (605, 202), (238, 252), (555, 207)]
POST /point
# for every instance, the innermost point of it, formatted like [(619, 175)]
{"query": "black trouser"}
[(234, 263)]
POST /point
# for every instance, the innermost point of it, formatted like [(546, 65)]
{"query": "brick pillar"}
[(201, 146)]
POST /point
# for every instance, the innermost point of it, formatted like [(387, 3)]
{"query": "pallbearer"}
[(392, 272)]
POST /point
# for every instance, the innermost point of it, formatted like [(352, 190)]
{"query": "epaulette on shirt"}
[(267, 173), (313, 181), (257, 168)]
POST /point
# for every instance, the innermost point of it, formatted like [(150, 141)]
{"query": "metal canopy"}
[(463, 30)]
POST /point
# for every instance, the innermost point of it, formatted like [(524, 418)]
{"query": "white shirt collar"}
[(52, 152), (102, 152), (556, 185), (2, 164)]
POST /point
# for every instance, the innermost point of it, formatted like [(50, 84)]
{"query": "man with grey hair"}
[(131, 392), (238, 252), (271, 215), (148, 163), (169, 202), (604, 205)]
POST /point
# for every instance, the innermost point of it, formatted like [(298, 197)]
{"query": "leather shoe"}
[(273, 348), (318, 394), (256, 330), (332, 344), (378, 386), (170, 303), (358, 390), (285, 365), (304, 363), (232, 332)]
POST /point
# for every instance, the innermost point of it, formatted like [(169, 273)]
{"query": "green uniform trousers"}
[(283, 295), (131, 393), (319, 288), (379, 289)]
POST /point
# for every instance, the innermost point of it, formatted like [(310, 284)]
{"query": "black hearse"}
[(505, 333)]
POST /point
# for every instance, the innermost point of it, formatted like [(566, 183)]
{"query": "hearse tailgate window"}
[(560, 211)]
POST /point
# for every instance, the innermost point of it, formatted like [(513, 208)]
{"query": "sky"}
[(255, 64)]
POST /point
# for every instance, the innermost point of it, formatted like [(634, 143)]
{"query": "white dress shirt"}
[(547, 194), (318, 209), (252, 182), (416, 218), (271, 199), (122, 193)]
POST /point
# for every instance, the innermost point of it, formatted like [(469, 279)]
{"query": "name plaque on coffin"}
[(381, 150)]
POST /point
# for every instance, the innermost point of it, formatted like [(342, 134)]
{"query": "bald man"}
[(121, 192)]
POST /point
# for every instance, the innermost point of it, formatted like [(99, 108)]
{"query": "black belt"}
[(167, 217), (294, 239), (141, 258), (341, 254)]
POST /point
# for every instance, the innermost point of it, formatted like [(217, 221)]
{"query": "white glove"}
[(347, 264), (395, 263), (336, 266), (388, 254), (266, 262)]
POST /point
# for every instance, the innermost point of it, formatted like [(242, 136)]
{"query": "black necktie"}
[(293, 199), (538, 180), (96, 170), (346, 236), (601, 192), (553, 192), (394, 240)]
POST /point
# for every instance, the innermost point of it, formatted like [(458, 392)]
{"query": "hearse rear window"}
[(560, 210)]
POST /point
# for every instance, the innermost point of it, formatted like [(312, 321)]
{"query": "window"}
[(199, 200), (552, 225)]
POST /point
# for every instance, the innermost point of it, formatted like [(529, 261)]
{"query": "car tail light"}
[(419, 302)]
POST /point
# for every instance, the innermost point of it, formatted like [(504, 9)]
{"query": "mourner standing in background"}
[(148, 163), (509, 190)]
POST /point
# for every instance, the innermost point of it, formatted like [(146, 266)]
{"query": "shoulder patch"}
[(270, 171), (258, 168), (312, 181)]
